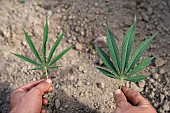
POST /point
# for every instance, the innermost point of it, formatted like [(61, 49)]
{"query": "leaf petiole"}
[(46, 72), (121, 82)]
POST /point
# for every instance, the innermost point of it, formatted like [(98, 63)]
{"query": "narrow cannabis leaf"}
[(127, 45), (136, 78), (106, 60), (124, 67), (55, 46), (32, 46), (40, 68), (27, 59), (45, 40), (44, 63), (139, 52), (107, 73), (140, 66), (112, 45), (59, 56)]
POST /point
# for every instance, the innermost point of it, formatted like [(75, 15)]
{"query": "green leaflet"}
[(107, 73), (27, 59), (136, 78), (127, 45), (106, 60), (139, 52), (45, 40), (140, 66), (55, 46), (112, 45), (32, 46), (38, 68), (59, 56)]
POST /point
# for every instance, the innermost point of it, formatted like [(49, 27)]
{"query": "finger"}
[(43, 111), (43, 87), (49, 90), (119, 97), (44, 101), (27, 87), (134, 97)]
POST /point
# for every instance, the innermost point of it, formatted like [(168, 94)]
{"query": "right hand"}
[(29, 98), (128, 101)]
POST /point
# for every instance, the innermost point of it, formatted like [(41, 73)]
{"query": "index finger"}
[(28, 86), (134, 97)]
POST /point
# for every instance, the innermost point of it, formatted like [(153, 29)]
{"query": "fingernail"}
[(117, 91), (49, 81)]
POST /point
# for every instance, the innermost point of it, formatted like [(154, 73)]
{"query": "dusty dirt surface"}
[(82, 88)]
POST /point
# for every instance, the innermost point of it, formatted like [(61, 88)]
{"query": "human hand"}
[(128, 101), (29, 98)]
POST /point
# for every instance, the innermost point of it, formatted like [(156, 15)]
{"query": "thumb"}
[(42, 87), (119, 97)]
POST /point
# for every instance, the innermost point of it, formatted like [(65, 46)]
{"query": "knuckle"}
[(135, 98), (121, 105), (119, 101), (128, 92), (36, 90)]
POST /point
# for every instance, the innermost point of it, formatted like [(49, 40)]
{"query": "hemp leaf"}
[(46, 62), (124, 67)]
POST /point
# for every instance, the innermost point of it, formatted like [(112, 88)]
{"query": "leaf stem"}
[(46, 72), (121, 83)]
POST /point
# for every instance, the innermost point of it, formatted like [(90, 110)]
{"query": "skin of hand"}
[(128, 101), (29, 98)]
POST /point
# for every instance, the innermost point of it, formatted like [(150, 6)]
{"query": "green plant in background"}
[(44, 63), (124, 67)]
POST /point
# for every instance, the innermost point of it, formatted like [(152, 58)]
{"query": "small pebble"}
[(100, 38), (153, 70), (87, 83), (166, 106), (71, 77), (145, 17), (80, 68), (66, 106), (159, 62), (79, 83), (161, 71), (57, 103), (141, 83), (49, 13), (24, 43), (151, 80), (78, 47), (101, 85), (155, 76)]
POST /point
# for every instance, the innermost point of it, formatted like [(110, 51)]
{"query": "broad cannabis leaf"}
[(124, 67)]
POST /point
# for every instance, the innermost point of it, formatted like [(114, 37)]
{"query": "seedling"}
[(124, 67), (44, 63)]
